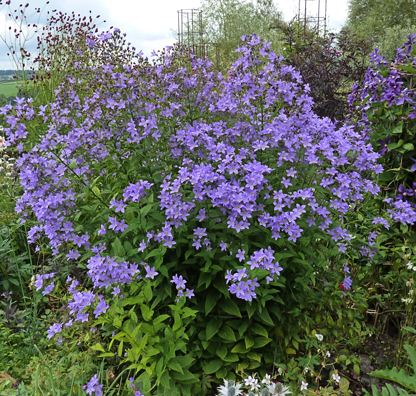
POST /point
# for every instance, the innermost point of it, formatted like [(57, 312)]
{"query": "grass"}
[(10, 88)]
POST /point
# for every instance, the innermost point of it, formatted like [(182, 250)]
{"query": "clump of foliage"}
[(401, 377), (329, 65)]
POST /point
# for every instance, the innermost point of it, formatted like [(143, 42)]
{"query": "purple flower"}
[(39, 283), (241, 255), (202, 215), (151, 273), (346, 283), (244, 289), (118, 206), (117, 225), (101, 307), (142, 246), (91, 42), (54, 329), (93, 387), (48, 289), (178, 281), (223, 246), (382, 221), (135, 192), (73, 254)]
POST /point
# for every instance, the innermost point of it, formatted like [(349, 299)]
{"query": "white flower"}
[(230, 387), (304, 386), (320, 337), (266, 380), (253, 383), (328, 354), (278, 389), (409, 266), (336, 377)]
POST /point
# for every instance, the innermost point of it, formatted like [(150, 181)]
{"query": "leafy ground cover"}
[(184, 230)]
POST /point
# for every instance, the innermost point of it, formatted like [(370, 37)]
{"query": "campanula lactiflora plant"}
[(200, 217)]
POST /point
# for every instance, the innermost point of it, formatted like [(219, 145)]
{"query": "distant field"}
[(9, 88)]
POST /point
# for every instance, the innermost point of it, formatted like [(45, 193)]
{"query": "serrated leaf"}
[(117, 248), (175, 366), (146, 209), (147, 312)]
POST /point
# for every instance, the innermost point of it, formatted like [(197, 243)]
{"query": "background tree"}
[(384, 23), (225, 21)]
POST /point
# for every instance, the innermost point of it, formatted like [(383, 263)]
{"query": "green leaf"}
[(254, 356), (408, 147), (398, 129), (96, 191), (211, 301), (186, 378), (160, 367), (147, 292), (395, 145), (239, 348), (212, 328), (120, 349), (260, 342), (160, 251), (265, 317), (221, 351), (98, 347), (106, 355), (175, 366), (409, 329), (117, 248), (212, 366), (231, 308), (259, 330), (146, 209), (249, 342), (147, 312), (227, 334)]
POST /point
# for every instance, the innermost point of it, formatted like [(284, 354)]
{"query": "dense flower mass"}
[(159, 146), (386, 105)]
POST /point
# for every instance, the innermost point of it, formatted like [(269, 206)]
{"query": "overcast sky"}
[(152, 24)]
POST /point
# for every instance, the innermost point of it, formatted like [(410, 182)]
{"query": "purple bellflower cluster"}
[(244, 150), (387, 91)]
